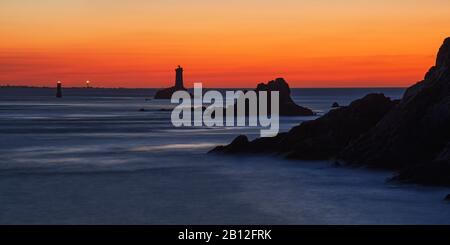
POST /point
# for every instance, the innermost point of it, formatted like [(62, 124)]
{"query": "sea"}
[(112, 156)]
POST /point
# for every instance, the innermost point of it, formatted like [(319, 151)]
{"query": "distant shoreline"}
[(92, 88)]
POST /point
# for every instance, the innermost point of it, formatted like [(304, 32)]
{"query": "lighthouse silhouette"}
[(58, 90), (166, 93), (179, 78)]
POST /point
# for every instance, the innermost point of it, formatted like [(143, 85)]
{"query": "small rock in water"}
[(142, 109), (447, 198)]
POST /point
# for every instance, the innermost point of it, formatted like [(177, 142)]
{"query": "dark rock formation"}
[(415, 136), (287, 105), (335, 105), (447, 198), (411, 136), (322, 138), (241, 145), (327, 136), (426, 173), (179, 86)]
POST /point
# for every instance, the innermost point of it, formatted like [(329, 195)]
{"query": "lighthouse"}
[(166, 93), (58, 89), (179, 78)]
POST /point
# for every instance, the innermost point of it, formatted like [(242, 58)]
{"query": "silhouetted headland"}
[(411, 136), (179, 86), (415, 136)]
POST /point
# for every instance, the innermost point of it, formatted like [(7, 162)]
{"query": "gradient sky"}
[(233, 43)]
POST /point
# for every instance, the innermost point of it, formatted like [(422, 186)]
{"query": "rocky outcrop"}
[(287, 105), (414, 137), (411, 136), (322, 138)]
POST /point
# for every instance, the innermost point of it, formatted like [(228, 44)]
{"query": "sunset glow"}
[(137, 43)]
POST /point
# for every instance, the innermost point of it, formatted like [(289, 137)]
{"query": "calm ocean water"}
[(93, 157)]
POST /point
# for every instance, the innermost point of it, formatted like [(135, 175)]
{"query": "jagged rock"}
[(323, 137), (287, 105), (414, 135), (411, 135), (335, 105), (237, 146)]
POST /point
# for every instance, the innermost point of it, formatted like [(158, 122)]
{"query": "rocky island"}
[(287, 105)]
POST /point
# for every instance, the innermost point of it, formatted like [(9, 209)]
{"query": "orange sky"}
[(233, 43)]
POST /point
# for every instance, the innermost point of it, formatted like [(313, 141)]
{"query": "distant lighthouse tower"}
[(166, 93), (59, 90), (179, 78)]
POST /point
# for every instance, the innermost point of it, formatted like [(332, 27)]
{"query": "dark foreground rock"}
[(430, 173), (447, 198), (322, 138), (412, 137), (415, 136)]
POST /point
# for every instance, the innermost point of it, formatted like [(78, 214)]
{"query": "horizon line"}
[(80, 87)]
